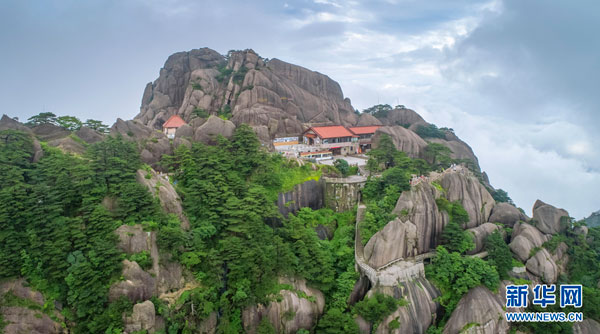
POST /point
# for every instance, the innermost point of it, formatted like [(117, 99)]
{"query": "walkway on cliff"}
[(436, 176), (376, 275), (412, 266)]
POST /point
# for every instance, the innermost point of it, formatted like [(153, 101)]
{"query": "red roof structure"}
[(363, 130), (174, 122), (334, 131)]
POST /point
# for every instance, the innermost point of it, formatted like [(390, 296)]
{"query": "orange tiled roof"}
[(174, 122), (362, 130), (334, 131)]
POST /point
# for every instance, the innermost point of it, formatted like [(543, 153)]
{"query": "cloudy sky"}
[(518, 80)]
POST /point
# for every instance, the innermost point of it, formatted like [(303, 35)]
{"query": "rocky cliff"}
[(310, 194), (296, 309), (479, 311), (216, 93), (22, 311), (593, 220), (473, 196), (415, 317), (402, 125), (248, 89)]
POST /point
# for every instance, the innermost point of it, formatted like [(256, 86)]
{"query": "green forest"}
[(58, 232)]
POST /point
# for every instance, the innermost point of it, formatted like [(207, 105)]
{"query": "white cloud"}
[(525, 100)]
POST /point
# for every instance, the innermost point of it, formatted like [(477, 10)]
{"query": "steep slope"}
[(403, 126), (245, 87), (593, 220)]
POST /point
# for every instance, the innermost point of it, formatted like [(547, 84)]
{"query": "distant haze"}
[(517, 80)]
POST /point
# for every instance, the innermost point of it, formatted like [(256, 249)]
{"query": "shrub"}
[(374, 309), (143, 259), (265, 327), (225, 112), (430, 131), (224, 73), (196, 86), (342, 166), (500, 195), (454, 238), (379, 110), (499, 254), (199, 112), (454, 275), (238, 77)]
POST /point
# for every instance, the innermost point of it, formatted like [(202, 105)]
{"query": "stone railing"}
[(359, 250), (385, 275), (342, 194)]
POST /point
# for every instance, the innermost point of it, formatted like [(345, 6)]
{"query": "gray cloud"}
[(516, 79), (542, 52)]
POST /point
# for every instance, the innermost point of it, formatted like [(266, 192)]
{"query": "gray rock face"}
[(403, 117), (305, 313), (418, 207), (480, 307), (163, 98), (170, 277), (49, 132), (342, 194), (153, 144), (19, 289), (137, 285), (68, 144), (185, 131), (7, 123), (502, 296), (60, 137), (310, 194), (166, 275), (561, 257), (546, 266), (364, 327), (587, 326), (131, 130), (581, 230), (291, 95), (404, 140), (473, 196), (166, 193), (20, 319), (506, 214), (460, 149), (133, 239), (361, 287), (480, 233), (418, 315), (262, 132), (367, 119), (543, 266), (525, 237), (275, 94), (213, 127), (549, 219), (396, 240), (209, 325), (142, 318), (88, 135)]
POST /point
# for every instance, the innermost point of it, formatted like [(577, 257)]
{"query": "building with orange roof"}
[(172, 124), (365, 134), (335, 138)]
